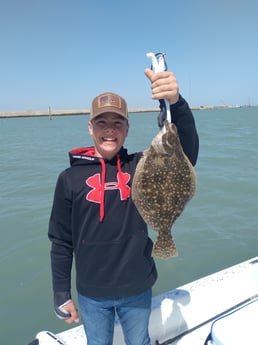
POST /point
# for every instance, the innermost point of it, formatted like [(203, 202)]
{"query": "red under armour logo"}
[(95, 194)]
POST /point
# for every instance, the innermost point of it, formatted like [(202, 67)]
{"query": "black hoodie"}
[(94, 218)]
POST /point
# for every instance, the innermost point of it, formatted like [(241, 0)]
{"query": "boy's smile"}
[(108, 131)]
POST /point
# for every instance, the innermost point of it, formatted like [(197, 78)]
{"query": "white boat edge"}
[(184, 314)]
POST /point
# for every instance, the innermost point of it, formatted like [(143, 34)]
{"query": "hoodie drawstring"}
[(102, 192), (122, 180)]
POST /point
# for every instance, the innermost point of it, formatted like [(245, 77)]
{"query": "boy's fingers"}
[(149, 73)]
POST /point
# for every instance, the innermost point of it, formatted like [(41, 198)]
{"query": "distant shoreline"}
[(52, 112)]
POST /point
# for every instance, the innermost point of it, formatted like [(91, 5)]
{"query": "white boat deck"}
[(185, 314)]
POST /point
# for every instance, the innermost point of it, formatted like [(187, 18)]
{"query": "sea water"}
[(218, 228)]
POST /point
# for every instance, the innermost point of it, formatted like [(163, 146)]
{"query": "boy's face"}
[(108, 131)]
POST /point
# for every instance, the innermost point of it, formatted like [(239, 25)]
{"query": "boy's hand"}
[(164, 85)]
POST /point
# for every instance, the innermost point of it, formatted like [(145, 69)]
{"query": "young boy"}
[(95, 220)]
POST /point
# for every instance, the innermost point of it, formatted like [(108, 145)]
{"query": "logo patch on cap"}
[(109, 101)]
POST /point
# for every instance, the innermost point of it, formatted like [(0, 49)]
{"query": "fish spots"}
[(163, 183)]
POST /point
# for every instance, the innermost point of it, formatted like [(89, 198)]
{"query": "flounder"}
[(163, 183)]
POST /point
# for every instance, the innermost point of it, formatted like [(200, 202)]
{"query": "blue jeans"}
[(98, 317)]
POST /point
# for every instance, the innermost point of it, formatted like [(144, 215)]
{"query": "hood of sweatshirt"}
[(85, 156)]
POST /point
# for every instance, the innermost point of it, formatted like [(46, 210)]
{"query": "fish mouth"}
[(157, 141), (163, 142), (158, 144)]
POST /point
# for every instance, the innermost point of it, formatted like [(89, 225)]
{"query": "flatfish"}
[(163, 183)]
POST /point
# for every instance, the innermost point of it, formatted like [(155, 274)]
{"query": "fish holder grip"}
[(159, 64)]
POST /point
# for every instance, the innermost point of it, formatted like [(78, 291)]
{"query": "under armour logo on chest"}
[(95, 195)]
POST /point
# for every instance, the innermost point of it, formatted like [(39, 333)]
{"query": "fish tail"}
[(164, 248)]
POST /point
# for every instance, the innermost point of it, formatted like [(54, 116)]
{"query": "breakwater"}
[(61, 112), (50, 112)]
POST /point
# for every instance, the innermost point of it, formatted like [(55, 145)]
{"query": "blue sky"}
[(61, 53)]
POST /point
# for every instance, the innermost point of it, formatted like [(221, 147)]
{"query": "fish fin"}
[(164, 248)]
